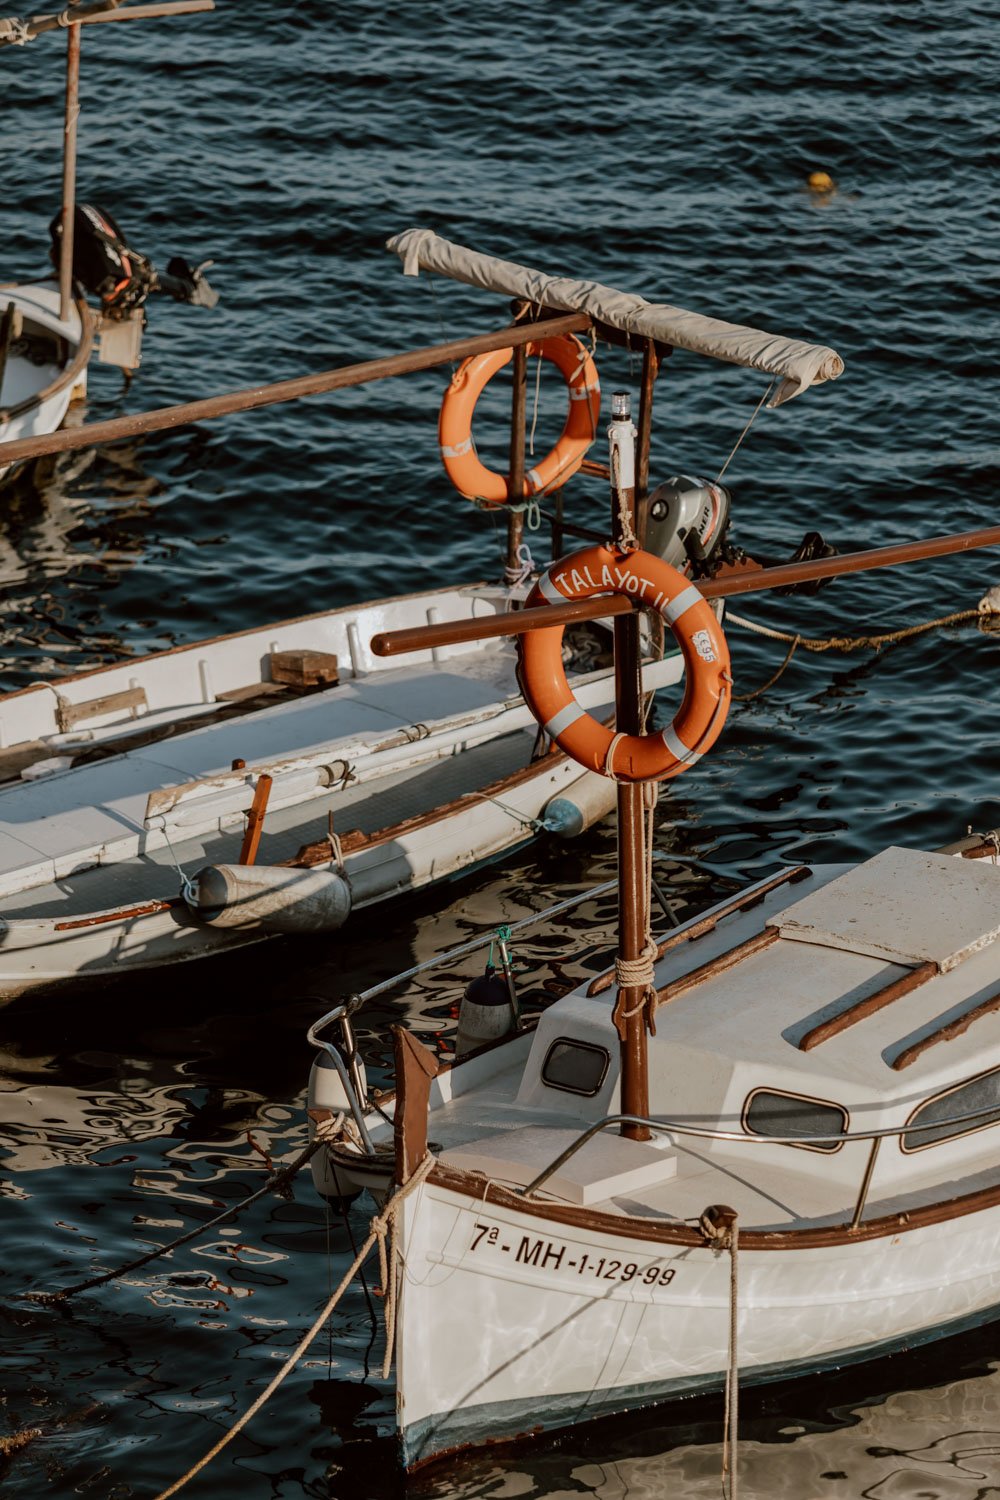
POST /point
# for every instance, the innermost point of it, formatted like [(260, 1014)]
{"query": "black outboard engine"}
[(108, 267), (687, 522)]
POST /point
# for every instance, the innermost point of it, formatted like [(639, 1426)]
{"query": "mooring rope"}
[(382, 1229), (720, 1226), (845, 643), (274, 1182)]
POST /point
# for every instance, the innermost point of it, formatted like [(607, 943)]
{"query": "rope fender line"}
[(382, 1230), (720, 1226)]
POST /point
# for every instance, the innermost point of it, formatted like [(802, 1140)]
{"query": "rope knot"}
[(718, 1225)]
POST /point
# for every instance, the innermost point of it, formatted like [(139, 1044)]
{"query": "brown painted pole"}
[(255, 819), (423, 637), (515, 477), (69, 170), (631, 866), (284, 390)]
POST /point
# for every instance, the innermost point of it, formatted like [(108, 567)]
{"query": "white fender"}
[(582, 805), (273, 897)]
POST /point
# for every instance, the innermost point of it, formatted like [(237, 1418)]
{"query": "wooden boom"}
[(423, 637)]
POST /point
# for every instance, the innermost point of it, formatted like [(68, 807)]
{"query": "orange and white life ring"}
[(458, 450), (708, 682)]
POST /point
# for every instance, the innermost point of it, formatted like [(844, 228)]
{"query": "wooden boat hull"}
[(565, 1331)]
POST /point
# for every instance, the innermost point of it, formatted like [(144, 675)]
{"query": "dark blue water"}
[(663, 149)]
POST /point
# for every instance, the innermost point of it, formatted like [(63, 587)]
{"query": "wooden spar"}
[(284, 390), (515, 475), (630, 1011), (422, 638), (72, 115), (108, 10), (154, 12)]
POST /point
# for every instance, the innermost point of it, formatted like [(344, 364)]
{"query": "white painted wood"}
[(905, 906), (603, 1167)]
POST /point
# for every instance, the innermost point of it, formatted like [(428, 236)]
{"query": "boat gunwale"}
[(67, 376), (232, 635)]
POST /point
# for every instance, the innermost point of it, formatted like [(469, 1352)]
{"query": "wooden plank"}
[(69, 714), (718, 965), (305, 668), (415, 1067), (868, 1007), (708, 923), (946, 1033)]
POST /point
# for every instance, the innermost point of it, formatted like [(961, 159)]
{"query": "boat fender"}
[(275, 898), (326, 1091), (484, 1014), (585, 803), (465, 468), (654, 584)]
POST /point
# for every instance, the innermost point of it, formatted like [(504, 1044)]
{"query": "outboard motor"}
[(687, 522), (108, 267)]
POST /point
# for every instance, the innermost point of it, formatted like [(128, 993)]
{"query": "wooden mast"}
[(72, 115)]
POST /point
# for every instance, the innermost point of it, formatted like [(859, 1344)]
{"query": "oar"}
[(423, 637)]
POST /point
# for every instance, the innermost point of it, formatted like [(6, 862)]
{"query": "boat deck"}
[(368, 808), (44, 823)]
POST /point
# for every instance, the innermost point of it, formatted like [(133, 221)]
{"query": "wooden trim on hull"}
[(482, 1190)]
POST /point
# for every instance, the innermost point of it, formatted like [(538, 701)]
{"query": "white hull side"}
[(491, 1346), (22, 379), (45, 952)]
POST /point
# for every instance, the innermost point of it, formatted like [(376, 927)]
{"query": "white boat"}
[(758, 1147), (416, 772), (791, 1081), (43, 360), (48, 333), (124, 843)]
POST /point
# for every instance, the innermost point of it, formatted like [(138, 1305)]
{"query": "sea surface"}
[(660, 148)]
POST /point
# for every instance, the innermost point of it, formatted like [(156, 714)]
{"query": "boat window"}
[(768, 1112), (577, 1067), (965, 1099)]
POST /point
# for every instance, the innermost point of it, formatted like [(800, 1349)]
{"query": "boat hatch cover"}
[(906, 906)]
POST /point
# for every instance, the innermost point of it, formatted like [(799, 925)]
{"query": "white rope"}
[(534, 414), (756, 412), (381, 1230), (723, 1233)]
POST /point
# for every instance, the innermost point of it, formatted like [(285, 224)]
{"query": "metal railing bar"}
[(702, 1132)]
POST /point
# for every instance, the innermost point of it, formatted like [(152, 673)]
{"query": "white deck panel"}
[(83, 808), (905, 906)]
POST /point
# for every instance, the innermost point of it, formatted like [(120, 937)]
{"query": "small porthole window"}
[(575, 1067), (770, 1112), (967, 1098)]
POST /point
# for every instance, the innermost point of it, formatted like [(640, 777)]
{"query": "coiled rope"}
[(381, 1233)]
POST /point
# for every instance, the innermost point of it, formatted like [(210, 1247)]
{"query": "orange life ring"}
[(458, 450), (707, 686)]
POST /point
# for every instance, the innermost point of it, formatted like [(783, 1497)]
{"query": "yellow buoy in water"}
[(821, 182)]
